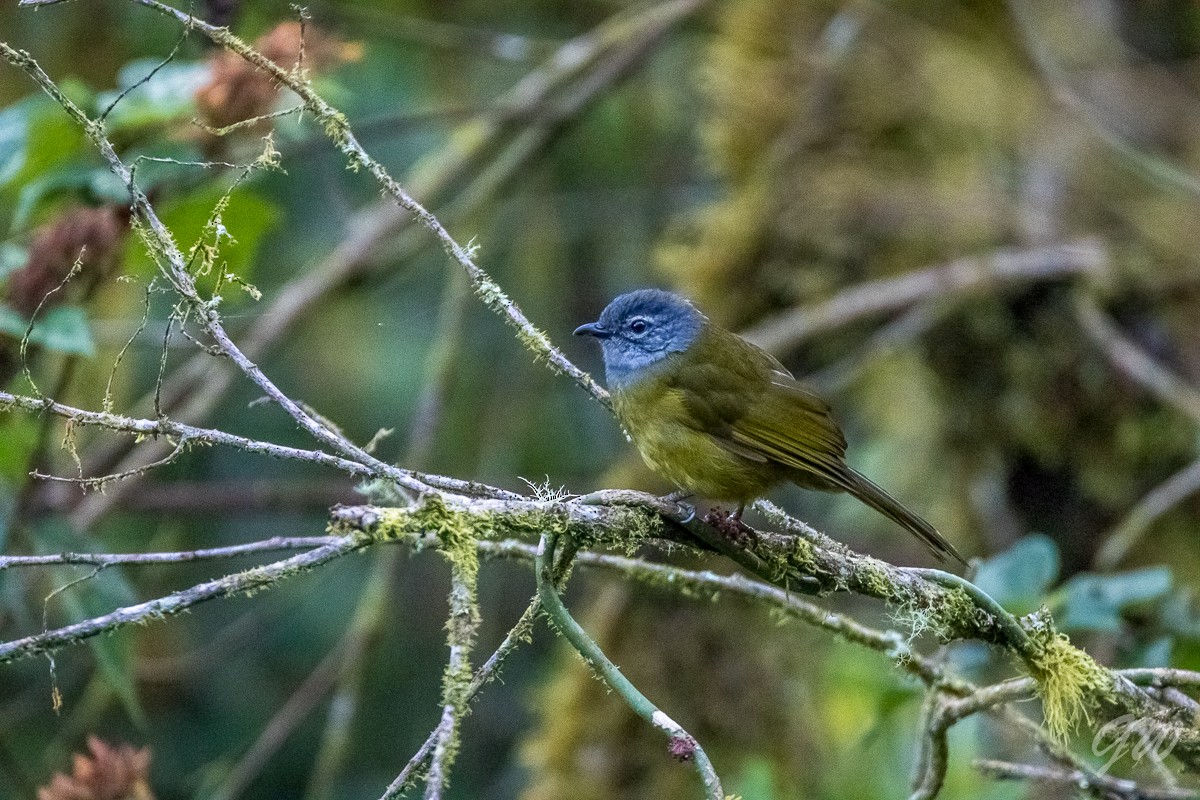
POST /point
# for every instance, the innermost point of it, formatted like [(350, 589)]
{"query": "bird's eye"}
[(638, 326)]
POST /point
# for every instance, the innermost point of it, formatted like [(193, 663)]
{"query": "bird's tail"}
[(874, 496)]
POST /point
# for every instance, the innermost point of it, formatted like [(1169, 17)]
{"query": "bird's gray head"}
[(640, 329)]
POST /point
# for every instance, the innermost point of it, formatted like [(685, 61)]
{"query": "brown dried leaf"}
[(111, 772), (90, 235), (238, 90)]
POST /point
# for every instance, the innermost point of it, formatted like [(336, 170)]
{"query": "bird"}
[(722, 418)]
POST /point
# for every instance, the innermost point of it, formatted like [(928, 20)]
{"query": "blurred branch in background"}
[(1003, 270), (1152, 166), (1134, 364)]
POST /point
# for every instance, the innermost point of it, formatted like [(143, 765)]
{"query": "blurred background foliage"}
[(761, 156)]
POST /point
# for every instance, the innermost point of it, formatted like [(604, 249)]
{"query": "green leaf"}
[(1019, 577), (64, 329), (14, 134), (1094, 602), (37, 137), (166, 97), (71, 179), (97, 595)]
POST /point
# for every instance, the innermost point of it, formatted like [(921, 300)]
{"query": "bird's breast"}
[(657, 418)]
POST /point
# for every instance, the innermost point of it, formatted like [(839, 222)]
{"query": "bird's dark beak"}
[(593, 329)]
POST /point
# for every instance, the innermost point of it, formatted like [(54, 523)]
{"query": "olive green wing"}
[(792, 426), (751, 405)]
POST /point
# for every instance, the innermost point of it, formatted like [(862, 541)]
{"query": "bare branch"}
[(1094, 783), (1125, 535), (170, 428)]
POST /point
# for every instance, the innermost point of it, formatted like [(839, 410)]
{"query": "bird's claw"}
[(676, 498)]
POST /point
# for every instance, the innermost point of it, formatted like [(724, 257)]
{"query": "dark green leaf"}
[(38, 137), (1095, 602), (71, 179), (1019, 577)]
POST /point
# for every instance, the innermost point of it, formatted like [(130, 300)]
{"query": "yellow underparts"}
[(655, 417)]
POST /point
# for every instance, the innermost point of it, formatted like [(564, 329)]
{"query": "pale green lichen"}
[(876, 581), (786, 558), (947, 615), (1069, 681), (625, 530), (382, 492)]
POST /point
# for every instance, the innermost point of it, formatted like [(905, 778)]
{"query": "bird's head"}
[(640, 329)]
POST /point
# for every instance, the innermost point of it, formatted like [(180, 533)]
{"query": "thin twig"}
[(237, 583), (179, 557), (170, 428), (1125, 535), (1095, 784)]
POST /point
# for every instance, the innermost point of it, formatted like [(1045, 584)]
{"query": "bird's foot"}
[(677, 498), (730, 526)]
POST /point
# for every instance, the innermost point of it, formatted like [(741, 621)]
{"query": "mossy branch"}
[(487, 525), (1071, 685), (457, 544)]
